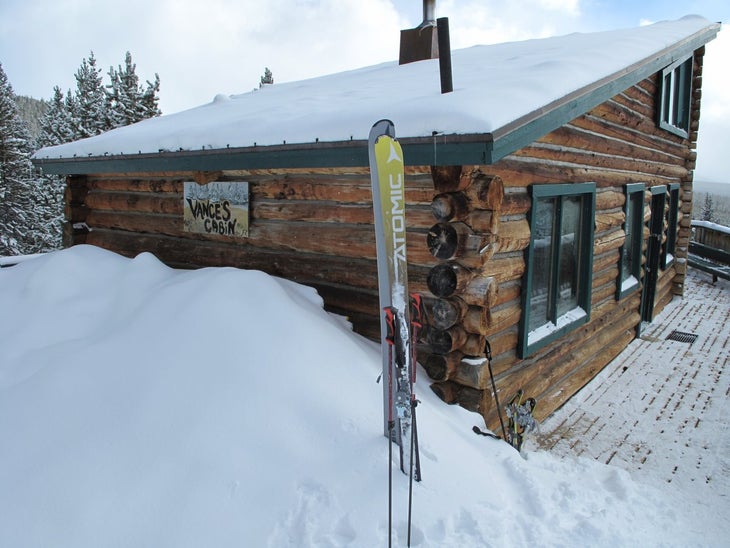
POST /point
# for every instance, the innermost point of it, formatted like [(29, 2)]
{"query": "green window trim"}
[(629, 278), (556, 296), (675, 95), (670, 245)]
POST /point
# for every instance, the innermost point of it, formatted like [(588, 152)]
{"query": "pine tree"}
[(90, 100), (57, 126), (20, 214), (127, 102), (151, 98), (267, 78), (708, 213)]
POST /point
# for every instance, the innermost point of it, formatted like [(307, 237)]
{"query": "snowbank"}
[(144, 406)]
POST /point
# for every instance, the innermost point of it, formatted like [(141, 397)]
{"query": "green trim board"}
[(558, 263), (455, 149), (629, 277)]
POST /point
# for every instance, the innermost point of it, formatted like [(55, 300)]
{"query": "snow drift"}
[(144, 406)]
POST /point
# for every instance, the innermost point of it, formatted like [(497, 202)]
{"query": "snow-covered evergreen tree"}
[(708, 213), (24, 216), (127, 102), (267, 78), (90, 100), (57, 125)]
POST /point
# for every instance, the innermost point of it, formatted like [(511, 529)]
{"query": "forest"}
[(712, 203), (31, 203)]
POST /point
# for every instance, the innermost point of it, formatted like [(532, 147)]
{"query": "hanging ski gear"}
[(520, 419)]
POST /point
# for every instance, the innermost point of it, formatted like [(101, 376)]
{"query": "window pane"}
[(569, 251), (667, 96), (542, 227), (627, 256)]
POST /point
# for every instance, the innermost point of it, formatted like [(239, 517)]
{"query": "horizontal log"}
[(610, 199), (607, 221), (447, 340), (136, 202), (330, 239), (485, 191), (447, 241), (448, 279), (159, 186), (329, 212), (608, 241), (523, 172), (515, 203), (483, 221), (357, 190), (448, 178), (450, 206), (481, 290), (505, 267), (447, 391), (550, 153), (298, 266), (514, 235), (605, 259), (573, 136), (448, 312), (610, 110), (441, 367)]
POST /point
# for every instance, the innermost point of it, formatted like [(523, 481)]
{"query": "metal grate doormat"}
[(681, 336)]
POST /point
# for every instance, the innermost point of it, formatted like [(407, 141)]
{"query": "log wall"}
[(467, 233), (615, 144)]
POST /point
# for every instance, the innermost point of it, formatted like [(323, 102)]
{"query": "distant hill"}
[(31, 112), (721, 189)]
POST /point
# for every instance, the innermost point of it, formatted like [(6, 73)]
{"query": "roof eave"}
[(436, 150)]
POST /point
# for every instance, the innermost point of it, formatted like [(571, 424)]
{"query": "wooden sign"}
[(216, 208)]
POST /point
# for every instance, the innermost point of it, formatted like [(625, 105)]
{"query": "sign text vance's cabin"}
[(548, 197)]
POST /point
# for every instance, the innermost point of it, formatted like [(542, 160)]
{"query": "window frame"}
[(669, 247), (675, 97), (587, 191), (634, 192)]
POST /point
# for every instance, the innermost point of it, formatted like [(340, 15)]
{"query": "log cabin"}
[(548, 197)]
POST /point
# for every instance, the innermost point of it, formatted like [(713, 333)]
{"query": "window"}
[(670, 245), (557, 284), (675, 97), (630, 267)]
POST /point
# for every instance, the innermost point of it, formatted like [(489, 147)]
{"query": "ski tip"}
[(382, 127)]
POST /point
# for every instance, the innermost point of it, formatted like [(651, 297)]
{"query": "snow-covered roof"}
[(505, 96)]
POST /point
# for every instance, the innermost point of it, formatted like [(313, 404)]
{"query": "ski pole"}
[(390, 338), (488, 353)]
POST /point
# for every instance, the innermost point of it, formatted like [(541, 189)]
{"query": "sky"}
[(201, 49)]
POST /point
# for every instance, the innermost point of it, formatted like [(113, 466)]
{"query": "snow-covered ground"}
[(144, 406)]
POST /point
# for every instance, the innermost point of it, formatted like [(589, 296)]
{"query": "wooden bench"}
[(709, 259)]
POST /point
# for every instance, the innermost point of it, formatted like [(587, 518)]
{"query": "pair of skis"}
[(402, 312)]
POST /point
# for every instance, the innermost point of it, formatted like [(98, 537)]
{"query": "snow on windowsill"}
[(629, 283), (550, 328)]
